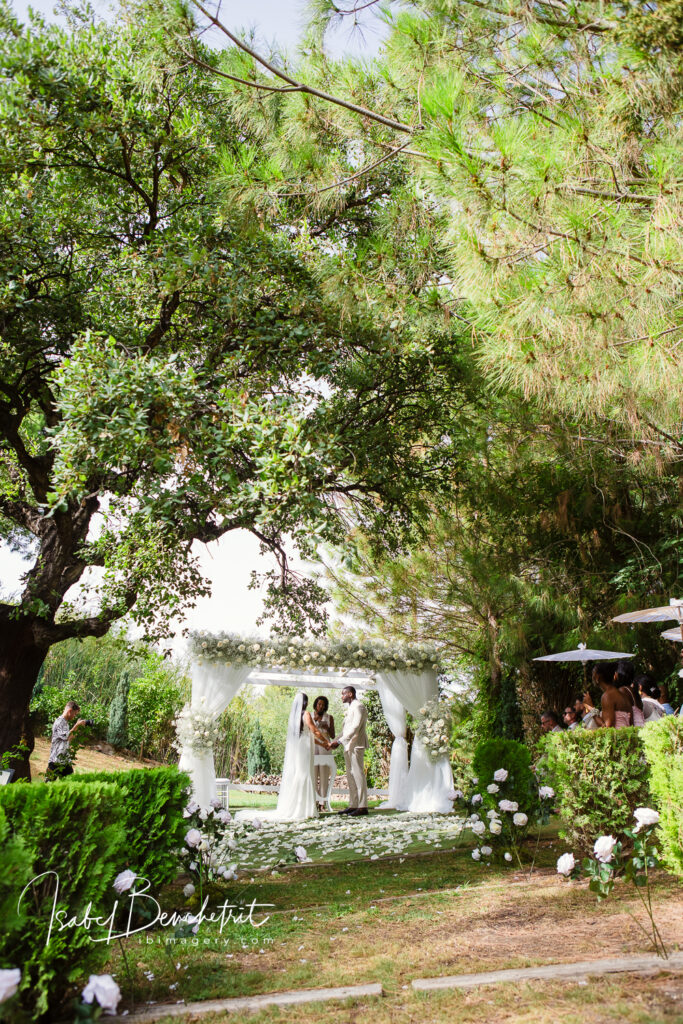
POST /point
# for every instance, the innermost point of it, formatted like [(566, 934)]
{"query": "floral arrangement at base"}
[(196, 730), (434, 730)]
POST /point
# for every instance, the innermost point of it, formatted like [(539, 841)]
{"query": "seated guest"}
[(615, 706), (664, 699), (649, 691), (571, 719), (624, 679), (550, 722), (585, 711)]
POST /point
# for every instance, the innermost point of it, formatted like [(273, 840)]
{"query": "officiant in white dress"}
[(354, 740)]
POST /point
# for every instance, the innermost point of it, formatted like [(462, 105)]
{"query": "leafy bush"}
[(258, 758), (600, 777), (77, 833), (48, 704), (520, 785), (663, 744), (154, 701), (153, 801)]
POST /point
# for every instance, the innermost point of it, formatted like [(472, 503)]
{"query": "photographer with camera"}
[(59, 764)]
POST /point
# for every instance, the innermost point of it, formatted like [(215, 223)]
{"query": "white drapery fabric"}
[(213, 687), (428, 784), (395, 714)]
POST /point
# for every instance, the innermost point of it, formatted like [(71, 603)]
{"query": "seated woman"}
[(649, 691), (615, 706), (624, 678)]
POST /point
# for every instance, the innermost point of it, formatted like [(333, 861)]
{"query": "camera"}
[(89, 721)]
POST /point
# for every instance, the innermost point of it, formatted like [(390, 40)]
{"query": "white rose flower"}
[(566, 864), (203, 846), (188, 890), (508, 805), (508, 857), (493, 788), (191, 809), (475, 780), (124, 881), (495, 827), (546, 792), (256, 823), (493, 813), (9, 982), (604, 848), (193, 837), (645, 816), (301, 854), (104, 989), (216, 804), (476, 855), (520, 819), (486, 851), (500, 775), (478, 827), (225, 817), (456, 794), (477, 798)]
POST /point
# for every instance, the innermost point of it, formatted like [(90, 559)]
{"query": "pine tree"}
[(258, 758), (117, 733)]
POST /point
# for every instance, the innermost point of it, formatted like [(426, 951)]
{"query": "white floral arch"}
[(405, 679)]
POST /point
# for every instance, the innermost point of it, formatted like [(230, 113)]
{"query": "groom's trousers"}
[(355, 775)]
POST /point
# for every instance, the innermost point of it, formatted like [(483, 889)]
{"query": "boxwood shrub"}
[(153, 800), (663, 744), (77, 832), (600, 777)]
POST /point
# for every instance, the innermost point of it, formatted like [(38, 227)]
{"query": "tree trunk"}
[(20, 661)]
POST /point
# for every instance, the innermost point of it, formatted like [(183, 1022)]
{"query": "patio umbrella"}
[(673, 611), (672, 634), (584, 655)]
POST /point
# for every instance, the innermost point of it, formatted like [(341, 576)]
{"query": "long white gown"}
[(296, 800)]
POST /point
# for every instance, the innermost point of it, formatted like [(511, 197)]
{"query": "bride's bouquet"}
[(196, 730), (434, 730)]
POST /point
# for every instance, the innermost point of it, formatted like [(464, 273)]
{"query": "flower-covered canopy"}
[(319, 655)]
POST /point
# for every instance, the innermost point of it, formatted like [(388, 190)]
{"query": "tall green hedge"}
[(663, 744), (77, 832), (152, 801), (599, 776)]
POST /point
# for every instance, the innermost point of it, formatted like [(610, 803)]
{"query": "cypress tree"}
[(117, 733), (258, 758)]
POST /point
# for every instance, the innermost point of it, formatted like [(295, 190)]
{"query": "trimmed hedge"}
[(78, 833), (600, 776), (153, 800), (663, 744)]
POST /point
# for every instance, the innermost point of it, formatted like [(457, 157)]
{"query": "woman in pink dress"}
[(615, 706)]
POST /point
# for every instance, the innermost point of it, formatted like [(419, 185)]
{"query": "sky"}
[(227, 563)]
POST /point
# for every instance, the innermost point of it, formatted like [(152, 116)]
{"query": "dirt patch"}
[(96, 758)]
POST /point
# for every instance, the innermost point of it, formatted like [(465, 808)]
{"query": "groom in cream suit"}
[(354, 741)]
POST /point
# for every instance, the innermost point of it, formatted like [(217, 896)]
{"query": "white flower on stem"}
[(476, 855), (216, 804), (508, 856), (604, 848), (203, 846), (508, 805), (188, 890), (104, 989), (486, 851), (645, 817), (191, 809), (193, 837), (475, 780), (493, 813), (493, 787), (477, 798), (520, 819), (9, 982), (566, 864), (301, 854), (192, 865), (256, 823), (495, 826), (225, 817), (124, 881), (478, 827), (500, 775), (546, 792), (456, 794)]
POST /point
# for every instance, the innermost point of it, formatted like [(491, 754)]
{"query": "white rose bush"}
[(196, 730), (631, 860)]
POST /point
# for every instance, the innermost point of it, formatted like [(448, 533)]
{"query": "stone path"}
[(615, 965)]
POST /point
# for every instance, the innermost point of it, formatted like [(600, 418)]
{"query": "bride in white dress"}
[(296, 799)]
